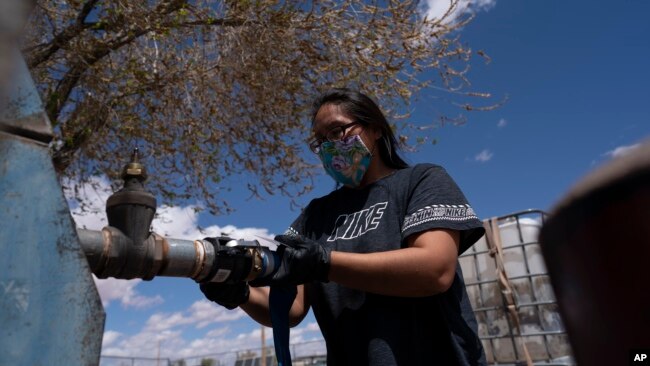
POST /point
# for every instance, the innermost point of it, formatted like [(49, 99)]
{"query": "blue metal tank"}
[(50, 311)]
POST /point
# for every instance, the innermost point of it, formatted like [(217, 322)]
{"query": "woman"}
[(377, 258)]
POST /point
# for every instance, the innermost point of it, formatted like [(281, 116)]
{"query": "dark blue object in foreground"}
[(280, 301)]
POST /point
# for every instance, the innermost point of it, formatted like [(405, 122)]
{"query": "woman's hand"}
[(301, 261), (229, 296)]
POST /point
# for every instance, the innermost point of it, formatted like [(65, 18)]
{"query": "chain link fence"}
[(133, 361), (310, 353)]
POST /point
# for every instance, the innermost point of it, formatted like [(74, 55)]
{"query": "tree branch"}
[(63, 38), (80, 137), (60, 95), (222, 22), (85, 10), (63, 157), (225, 22)]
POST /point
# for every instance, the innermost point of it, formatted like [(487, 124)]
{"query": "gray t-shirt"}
[(362, 328)]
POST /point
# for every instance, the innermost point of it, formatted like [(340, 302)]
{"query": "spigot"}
[(132, 208), (134, 169)]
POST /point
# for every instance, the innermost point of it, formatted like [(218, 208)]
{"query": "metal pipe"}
[(185, 258), (523, 305), (111, 253), (531, 334), (512, 278), (487, 251)]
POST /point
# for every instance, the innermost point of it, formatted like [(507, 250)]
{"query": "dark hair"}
[(364, 110)]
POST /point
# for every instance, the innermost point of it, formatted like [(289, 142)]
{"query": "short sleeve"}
[(436, 202), (297, 227)]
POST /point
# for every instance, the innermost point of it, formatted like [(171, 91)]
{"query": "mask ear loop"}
[(388, 149), (374, 146)]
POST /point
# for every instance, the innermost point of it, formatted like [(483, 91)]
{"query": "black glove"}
[(301, 261), (227, 295), (234, 263)]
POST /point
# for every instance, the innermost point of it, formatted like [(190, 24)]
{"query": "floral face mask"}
[(346, 160)]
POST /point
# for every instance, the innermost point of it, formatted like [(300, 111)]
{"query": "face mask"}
[(346, 160)]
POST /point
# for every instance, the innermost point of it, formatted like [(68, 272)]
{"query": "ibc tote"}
[(511, 294)]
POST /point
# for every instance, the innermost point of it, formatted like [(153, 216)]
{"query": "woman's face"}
[(331, 115)]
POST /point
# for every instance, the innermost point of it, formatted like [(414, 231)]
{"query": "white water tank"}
[(541, 327)]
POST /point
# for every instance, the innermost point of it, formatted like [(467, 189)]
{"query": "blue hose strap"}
[(280, 301)]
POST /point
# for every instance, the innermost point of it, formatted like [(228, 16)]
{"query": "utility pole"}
[(263, 360)]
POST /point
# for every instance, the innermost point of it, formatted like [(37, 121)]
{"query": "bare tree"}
[(210, 89)]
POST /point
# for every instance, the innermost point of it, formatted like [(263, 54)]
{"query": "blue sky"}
[(576, 76)]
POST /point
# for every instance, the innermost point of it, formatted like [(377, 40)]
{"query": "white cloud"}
[(112, 289), (309, 348), (621, 151), (502, 123), (298, 334), (200, 314), (443, 13), (179, 222), (110, 336), (484, 156), (169, 330), (218, 332), (436, 9)]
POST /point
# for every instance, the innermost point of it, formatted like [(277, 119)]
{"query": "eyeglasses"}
[(335, 134)]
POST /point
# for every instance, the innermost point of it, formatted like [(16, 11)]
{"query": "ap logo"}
[(639, 357)]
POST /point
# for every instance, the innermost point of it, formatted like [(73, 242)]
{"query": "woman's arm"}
[(426, 267), (257, 306)]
